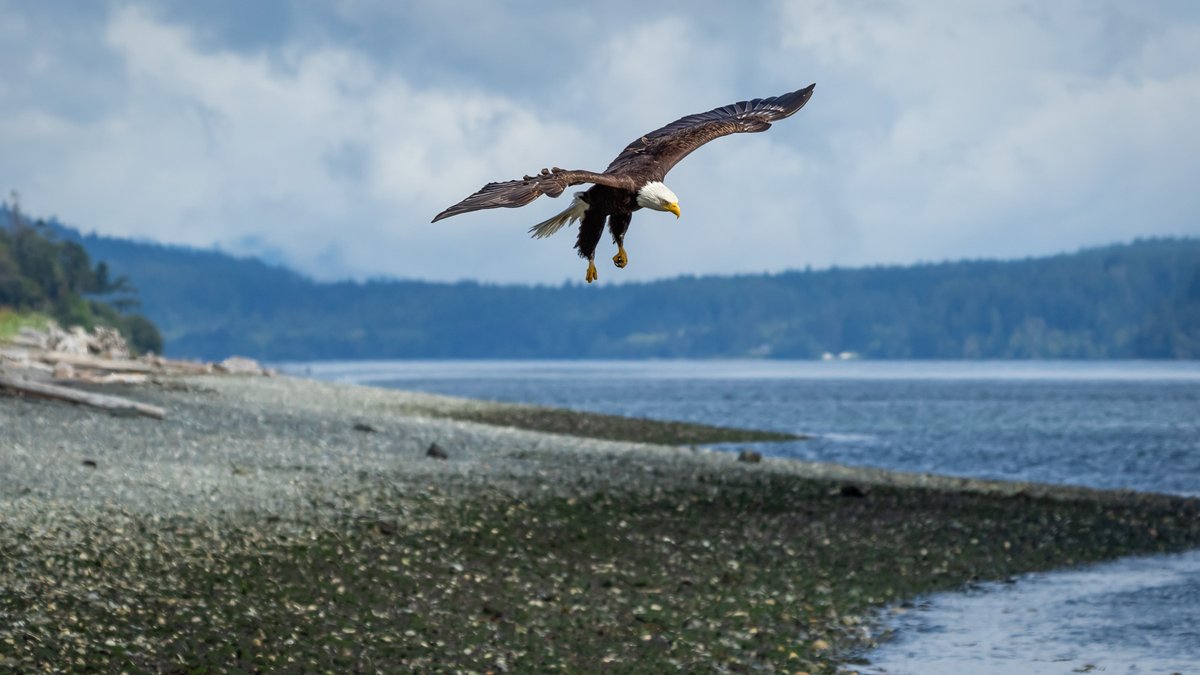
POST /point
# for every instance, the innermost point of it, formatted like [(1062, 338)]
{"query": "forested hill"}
[(43, 278), (1138, 300)]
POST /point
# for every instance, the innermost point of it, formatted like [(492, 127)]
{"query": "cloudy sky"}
[(326, 135)]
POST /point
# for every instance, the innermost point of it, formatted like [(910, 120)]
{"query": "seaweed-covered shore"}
[(273, 523)]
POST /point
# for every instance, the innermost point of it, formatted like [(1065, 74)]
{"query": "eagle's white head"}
[(655, 195)]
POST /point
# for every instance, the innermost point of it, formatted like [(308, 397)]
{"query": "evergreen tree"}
[(40, 273)]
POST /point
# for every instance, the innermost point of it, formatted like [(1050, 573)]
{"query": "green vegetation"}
[(1138, 300), (44, 278), (735, 570), (12, 322)]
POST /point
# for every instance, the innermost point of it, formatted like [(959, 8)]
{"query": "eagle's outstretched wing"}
[(515, 193), (653, 155)]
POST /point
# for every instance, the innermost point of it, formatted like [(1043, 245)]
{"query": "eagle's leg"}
[(618, 224), (591, 228)]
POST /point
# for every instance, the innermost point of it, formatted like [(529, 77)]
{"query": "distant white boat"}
[(840, 356)]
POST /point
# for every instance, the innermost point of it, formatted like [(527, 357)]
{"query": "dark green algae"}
[(604, 427)]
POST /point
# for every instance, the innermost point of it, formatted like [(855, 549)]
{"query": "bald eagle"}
[(634, 179)]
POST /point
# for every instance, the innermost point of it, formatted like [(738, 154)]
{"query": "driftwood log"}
[(95, 362), (29, 359), (115, 404)]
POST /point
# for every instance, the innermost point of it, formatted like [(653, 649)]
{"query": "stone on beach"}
[(750, 456)]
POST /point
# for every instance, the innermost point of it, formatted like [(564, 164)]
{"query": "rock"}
[(29, 337), (436, 451), (108, 343), (852, 490), (102, 341), (492, 612), (748, 455), (74, 341), (240, 365)]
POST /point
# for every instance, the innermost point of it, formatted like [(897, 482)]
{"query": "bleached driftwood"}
[(172, 366), (94, 362), (107, 402), (89, 377)]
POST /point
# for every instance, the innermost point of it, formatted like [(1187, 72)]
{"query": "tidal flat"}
[(285, 524)]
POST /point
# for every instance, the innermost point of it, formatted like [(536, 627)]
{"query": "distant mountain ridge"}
[(1135, 300)]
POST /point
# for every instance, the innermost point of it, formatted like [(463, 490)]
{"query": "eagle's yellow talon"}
[(591, 273), (620, 259)]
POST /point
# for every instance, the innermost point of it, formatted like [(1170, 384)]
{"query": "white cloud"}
[(1015, 129), (222, 148)]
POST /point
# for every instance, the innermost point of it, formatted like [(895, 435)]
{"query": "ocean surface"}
[(1133, 425)]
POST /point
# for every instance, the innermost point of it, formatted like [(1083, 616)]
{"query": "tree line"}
[(1133, 300), (1127, 300), (41, 273)]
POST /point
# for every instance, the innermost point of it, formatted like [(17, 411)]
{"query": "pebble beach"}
[(277, 523)]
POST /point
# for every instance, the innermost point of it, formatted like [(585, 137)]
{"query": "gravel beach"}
[(271, 523)]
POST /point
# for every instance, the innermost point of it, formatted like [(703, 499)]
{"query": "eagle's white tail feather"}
[(572, 213)]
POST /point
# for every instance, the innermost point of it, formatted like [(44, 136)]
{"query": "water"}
[(1137, 615), (1132, 425), (1111, 424)]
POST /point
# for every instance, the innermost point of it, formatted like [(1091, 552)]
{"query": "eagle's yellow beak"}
[(673, 207)]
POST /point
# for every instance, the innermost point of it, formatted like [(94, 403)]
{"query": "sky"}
[(326, 135)]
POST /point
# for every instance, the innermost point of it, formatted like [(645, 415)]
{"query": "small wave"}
[(848, 438)]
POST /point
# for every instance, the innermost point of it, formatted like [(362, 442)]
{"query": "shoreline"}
[(256, 499)]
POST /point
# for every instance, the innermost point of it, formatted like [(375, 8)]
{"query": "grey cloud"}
[(327, 135)]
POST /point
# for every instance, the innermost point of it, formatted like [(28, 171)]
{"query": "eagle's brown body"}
[(623, 187)]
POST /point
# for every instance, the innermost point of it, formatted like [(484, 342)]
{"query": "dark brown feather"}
[(516, 193), (654, 154)]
